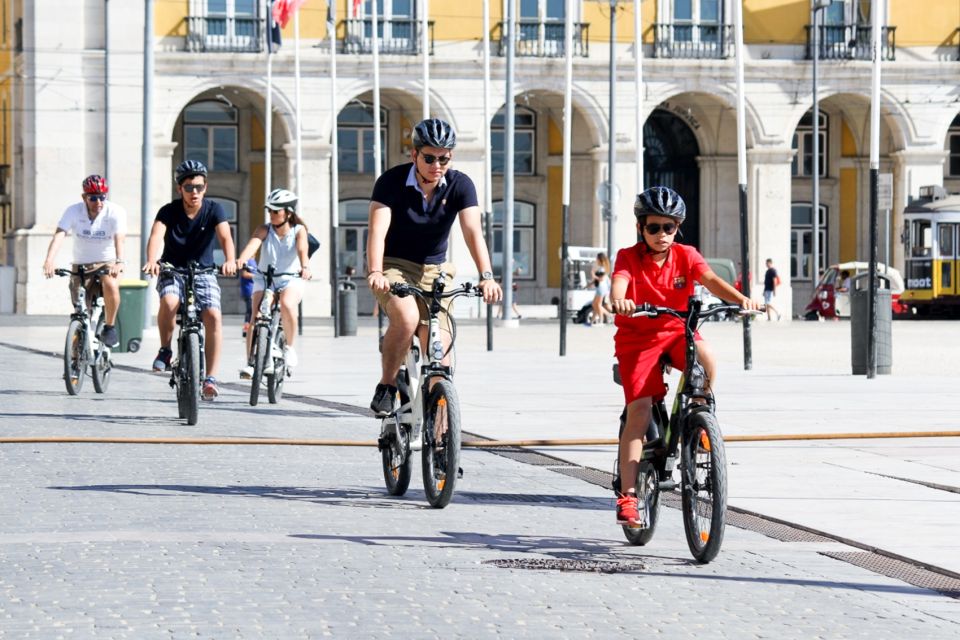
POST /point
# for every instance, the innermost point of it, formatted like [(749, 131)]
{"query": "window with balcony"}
[(845, 32), (801, 241), (803, 144), (210, 135), (225, 25), (355, 139), (693, 29), (540, 29), (953, 146), (398, 31), (524, 141), (524, 236)]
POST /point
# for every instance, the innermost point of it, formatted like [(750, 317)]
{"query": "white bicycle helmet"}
[(282, 199)]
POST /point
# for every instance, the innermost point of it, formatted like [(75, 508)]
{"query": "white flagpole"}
[(742, 180), (376, 90), (487, 167), (425, 46), (296, 92), (268, 110), (567, 141), (334, 171), (638, 90)]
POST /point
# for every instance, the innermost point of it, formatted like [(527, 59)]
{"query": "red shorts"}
[(640, 369)]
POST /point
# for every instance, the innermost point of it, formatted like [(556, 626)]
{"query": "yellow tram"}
[(932, 253)]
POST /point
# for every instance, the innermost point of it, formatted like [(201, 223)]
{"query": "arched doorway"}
[(670, 160)]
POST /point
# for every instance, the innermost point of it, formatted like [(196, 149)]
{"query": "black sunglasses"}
[(430, 159), (653, 228), (96, 198), (194, 188)]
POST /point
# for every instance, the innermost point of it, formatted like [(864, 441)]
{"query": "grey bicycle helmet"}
[(188, 169), (660, 201), (282, 199), (434, 132)]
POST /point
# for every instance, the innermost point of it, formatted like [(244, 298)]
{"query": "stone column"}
[(769, 194)]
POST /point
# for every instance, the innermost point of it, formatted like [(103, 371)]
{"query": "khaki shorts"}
[(418, 275), (91, 284)]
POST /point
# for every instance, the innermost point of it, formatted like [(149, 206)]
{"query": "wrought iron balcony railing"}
[(688, 40), (534, 39), (851, 42), (396, 36), (225, 34)]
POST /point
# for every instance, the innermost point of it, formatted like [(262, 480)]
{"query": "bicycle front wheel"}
[(704, 485), (102, 366), (648, 498), (261, 351), (190, 382), (275, 380), (441, 444), (395, 455), (75, 357)]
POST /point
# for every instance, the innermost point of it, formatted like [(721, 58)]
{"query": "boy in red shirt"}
[(661, 272)]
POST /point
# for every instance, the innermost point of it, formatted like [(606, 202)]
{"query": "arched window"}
[(210, 134), (953, 145), (524, 141), (352, 235), (355, 138), (524, 239), (801, 241), (230, 206), (803, 144)]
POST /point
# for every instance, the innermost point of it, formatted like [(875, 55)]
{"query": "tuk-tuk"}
[(831, 298)]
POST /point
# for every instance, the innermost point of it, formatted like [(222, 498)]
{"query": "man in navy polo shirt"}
[(186, 230), (412, 210)]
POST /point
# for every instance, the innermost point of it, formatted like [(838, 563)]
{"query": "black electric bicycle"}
[(267, 356), (83, 349), (189, 365), (690, 431), (429, 415)]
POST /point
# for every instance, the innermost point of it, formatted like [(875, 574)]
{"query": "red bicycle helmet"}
[(95, 184)]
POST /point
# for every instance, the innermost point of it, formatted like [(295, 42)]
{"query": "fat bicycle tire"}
[(190, 369), (441, 444), (648, 497), (261, 351), (704, 485), (275, 379), (395, 456), (75, 357)]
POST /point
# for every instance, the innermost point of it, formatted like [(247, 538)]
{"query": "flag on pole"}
[(283, 10), (356, 8)]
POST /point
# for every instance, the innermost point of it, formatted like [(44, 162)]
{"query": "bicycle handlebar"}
[(166, 267), (102, 271), (275, 274), (402, 290), (647, 310)]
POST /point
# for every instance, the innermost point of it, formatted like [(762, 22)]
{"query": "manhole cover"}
[(561, 564)]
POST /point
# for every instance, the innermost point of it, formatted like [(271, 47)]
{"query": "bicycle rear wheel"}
[(261, 351), (75, 357), (275, 379), (441, 444), (190, 383), (395, 455), (704, 485), (102, 366), (648, 497)]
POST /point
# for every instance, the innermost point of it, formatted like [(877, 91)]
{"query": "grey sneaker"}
[(384, 401), (110, 338)]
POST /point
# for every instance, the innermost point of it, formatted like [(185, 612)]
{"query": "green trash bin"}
[(133, 297)]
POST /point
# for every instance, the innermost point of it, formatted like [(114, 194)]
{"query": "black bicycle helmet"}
[(434, 132), (660, 201), (188, 169)]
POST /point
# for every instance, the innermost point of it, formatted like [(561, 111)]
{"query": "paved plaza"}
[(189, 541)]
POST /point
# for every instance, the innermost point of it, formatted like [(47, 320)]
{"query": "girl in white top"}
[(283, 244)]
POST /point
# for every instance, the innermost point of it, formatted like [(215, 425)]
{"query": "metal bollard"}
[(347, 319)]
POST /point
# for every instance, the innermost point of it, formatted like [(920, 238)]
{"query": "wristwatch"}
[(486, 275)]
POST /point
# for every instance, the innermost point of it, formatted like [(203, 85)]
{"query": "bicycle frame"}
[(188, 319), (91, 322)]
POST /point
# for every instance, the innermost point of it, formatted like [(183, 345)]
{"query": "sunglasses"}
[(194, 188), (430, 159), (96, 198), (653, 228)]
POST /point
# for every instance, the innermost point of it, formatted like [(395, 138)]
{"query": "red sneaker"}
[(628, 513)]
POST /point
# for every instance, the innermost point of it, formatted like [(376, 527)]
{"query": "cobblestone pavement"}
[(146, 541)]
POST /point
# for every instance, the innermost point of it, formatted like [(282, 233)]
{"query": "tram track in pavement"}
[(880, 561)]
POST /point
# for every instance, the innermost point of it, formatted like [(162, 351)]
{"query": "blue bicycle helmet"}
[(188, 169)]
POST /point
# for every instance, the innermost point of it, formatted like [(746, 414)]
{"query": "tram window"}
[(945, 238), (921, 240)]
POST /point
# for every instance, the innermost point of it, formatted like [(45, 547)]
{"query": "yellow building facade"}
[(209, 104)]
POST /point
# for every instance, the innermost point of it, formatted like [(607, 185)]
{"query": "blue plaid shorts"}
[(206, 289)]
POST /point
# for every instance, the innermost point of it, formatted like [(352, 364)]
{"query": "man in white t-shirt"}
[(98, 227)]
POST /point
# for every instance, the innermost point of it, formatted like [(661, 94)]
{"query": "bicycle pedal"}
[(383, 443), (459, 472), (667, 485)]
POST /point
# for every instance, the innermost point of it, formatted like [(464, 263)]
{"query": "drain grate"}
[(771, 528), (530, 457), (564, 564), (593, 476), (900, 570), (531, 498)]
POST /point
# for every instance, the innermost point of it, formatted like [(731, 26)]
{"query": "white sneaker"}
[(246, 372), (290, 356)]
